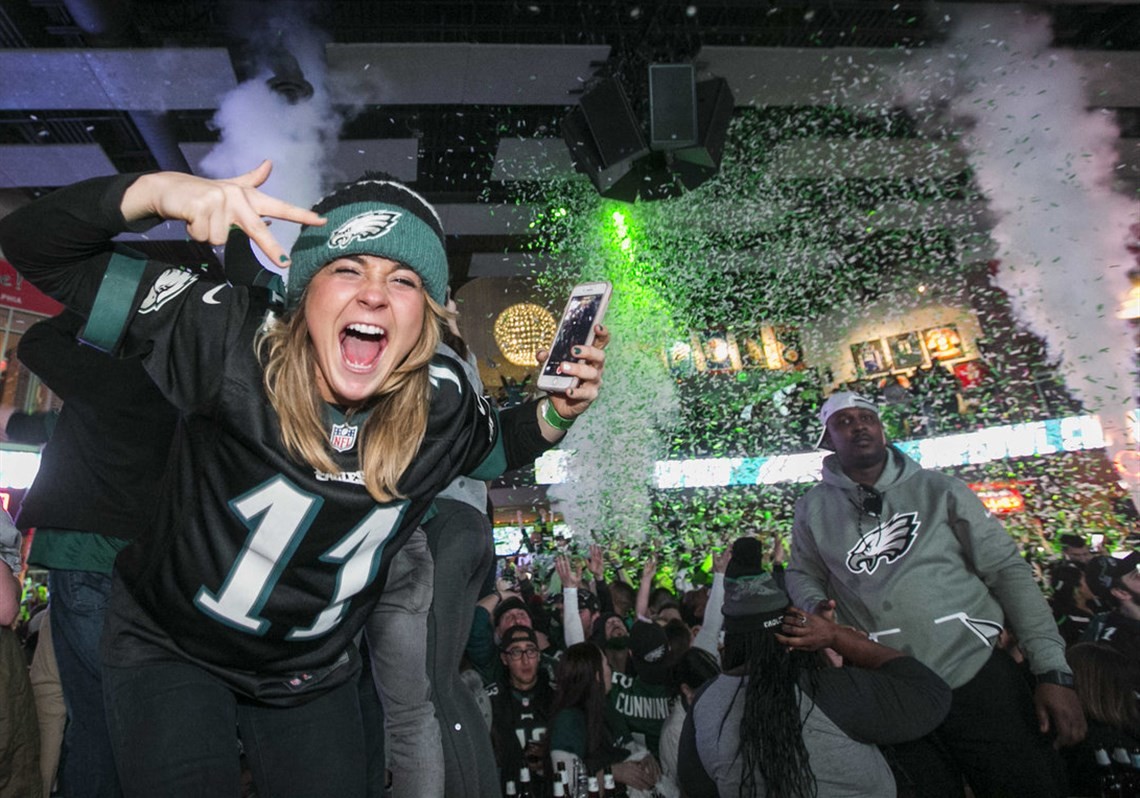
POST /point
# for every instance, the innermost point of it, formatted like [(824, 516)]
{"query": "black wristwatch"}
[(1056, 677)]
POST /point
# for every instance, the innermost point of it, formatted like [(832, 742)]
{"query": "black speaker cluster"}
[(688, 123)]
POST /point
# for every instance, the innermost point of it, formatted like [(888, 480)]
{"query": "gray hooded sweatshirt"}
[(935, 575)]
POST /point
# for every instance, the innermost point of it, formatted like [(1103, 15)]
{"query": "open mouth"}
[(361, 345)]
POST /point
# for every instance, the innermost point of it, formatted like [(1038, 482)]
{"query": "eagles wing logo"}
[(886, 542), (169, 284), (437, 373), (362, 227)]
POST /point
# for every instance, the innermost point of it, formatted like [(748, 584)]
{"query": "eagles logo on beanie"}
[(372, 216)]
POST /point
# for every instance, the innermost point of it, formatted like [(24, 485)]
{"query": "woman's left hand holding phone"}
[(211, 207), (589, 363)]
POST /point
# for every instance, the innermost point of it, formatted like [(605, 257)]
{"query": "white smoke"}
[(256, 122), (615, 445), (1045, 161)]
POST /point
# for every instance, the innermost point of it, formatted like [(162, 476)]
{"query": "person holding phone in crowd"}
[(310, 446)]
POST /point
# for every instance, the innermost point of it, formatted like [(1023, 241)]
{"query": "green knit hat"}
[(372, 217)]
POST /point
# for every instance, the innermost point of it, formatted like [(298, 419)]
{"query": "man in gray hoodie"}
[(912, 557)]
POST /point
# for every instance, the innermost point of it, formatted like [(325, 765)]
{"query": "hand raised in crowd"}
[(721, 559), (649, 570), (597, 562), (571, 576), (211, 207), (779, 553)]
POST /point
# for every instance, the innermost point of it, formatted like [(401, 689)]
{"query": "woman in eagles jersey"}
[(311, 445)]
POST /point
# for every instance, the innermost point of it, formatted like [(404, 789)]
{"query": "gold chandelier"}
[(521, 329)]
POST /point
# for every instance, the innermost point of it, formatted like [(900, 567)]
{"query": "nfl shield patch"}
[(343, 437)]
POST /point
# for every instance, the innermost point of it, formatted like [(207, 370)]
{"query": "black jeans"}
[(174, 728), (990, 738)]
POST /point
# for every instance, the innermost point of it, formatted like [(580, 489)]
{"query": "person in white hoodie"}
[(912, 557)]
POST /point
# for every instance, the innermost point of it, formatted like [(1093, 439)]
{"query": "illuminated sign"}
[(1035, 438), (18, 293), (999, 497), (18, 467)]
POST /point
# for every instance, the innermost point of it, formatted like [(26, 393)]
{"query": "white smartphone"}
[(584, 311)]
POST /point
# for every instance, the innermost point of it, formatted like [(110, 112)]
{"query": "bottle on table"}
[(1110, 783), (525, 790), (1134, 757), (611, 787), (581, 780), (1122, 764)]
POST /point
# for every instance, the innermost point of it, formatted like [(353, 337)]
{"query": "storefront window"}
[(22, 391), (19, 387)]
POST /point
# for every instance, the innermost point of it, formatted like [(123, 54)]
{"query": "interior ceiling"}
[(462, 98), (457, 98)]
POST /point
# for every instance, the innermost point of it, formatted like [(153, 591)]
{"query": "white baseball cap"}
[(841, 400)]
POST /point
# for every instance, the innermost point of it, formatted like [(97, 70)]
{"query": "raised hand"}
[(649, 570), (721, 559), (211, 207), (571, 577), (597, 562), (779, 553)]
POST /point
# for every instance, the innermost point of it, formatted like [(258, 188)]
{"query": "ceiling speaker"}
[(672, 106)]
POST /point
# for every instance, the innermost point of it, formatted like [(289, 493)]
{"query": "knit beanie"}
[(752, 603), (372, 217)]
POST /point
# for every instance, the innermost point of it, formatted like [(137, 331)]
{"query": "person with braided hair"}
[(779, 721)]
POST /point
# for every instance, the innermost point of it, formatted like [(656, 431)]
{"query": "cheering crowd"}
[(288, 588)]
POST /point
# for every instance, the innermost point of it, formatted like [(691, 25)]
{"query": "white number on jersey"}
[(278, 515)]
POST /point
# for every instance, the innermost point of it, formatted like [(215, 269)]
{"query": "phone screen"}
[(574, 331)]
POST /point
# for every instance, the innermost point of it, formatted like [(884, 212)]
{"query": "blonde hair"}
[(394, 430)]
